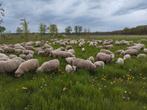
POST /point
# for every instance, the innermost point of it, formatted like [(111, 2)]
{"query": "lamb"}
[(70, 69), (62, 54), (127, 56), (103, 57), (120, 61), (9, 66), (52, 65), (99, 64), (83, 64), (27, 66)]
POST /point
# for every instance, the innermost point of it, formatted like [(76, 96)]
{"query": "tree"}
[(76, 29), (68, 29), (42, 29), (19, 30), (2, 29), (25, 27), (2, 13), (53, 29)]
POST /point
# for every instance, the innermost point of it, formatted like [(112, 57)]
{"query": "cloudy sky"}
[(98, 15)]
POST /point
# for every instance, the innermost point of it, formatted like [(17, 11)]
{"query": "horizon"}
[(98, 15)]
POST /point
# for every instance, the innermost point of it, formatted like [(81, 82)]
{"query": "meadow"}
[(116, 87)]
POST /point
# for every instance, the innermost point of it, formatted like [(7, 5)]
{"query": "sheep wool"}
[(52, 65), (27, 66)]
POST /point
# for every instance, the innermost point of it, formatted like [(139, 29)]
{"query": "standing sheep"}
[(103, 57)]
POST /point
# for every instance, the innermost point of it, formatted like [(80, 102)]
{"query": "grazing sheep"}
[(3, 57), (99, 64), (69, 60), (27, 66), (12, 56), (70, 69), (132, 52), (120, 61), (104, 57), (91, 58), (71, 51), (62, 54), (83, 64), (141, 56), (52, 65), (127, 56), (9, 66)]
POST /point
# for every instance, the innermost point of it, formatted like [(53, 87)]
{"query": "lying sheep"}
[(52, 65), (103, 57), (9, 66), (120, 61), (83, 64), (27, 66), (99, 64), (62, 54), (70, 69)]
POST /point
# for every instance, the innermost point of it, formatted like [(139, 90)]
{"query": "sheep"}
[(9, 66), (99, 64), (3, 57), (91, 58), (71, 51), (83, 64), (104, 57), (23, 56), (145, 50), (120, 61), (127, 56), (69, 60), (62, 54), (70, 69), (27, 66), (12, 56), (49, 66), (141, 56), (132, 52)]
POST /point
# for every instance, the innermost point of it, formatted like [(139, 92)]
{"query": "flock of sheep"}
[(19, 58)]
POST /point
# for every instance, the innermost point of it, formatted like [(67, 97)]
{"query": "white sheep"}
[(91, 58), (9, 66), (99, 64), (3, 57), (49, 66), (83, 64), (70, 69), (127, 56), (120, 61), (141, 56), (104, 57), (62, 54), (27, 66)]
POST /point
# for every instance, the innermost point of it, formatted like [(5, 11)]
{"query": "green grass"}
[(117, 87)]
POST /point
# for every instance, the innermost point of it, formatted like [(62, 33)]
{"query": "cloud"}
[(98, 15)]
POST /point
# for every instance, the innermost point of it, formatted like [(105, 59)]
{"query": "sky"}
[(97, 15)]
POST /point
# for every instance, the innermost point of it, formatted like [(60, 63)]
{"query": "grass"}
[(117, 87)]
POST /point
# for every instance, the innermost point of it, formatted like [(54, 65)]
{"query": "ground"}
[(117, 87)]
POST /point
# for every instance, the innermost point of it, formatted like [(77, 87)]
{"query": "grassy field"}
[(117, 87)]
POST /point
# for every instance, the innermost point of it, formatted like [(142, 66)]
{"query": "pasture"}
[(116, 87)]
